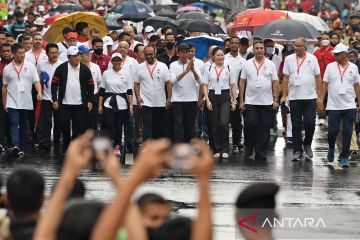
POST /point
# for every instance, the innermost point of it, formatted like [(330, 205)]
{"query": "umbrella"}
[(256, 18), (315, 21), (217, 4), (184, 1), (52, 19), (287, 31), (134, 11), (158, 7), (202, 26), (195, 16), (93, 19), (69, 8), (189, 9), (159, 22), (111, 21), (166, 13), (202, 44)]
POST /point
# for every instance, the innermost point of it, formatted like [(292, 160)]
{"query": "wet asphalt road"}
[(304, 184)]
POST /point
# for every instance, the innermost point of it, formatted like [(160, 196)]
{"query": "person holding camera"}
[(219, 89), (115, 99)]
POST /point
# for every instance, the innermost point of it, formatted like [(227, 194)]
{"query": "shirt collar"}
[(71, 67)]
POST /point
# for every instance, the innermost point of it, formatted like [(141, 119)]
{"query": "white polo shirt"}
[(96, 75), (73, 87), (184, 90), (341, 94), (30, 56), (259, 86), (200, 65), (235, 63), (63, 52), (19, 86), (49, 69), (116, 82), (130, 65), (227, 76), (152, 88), (302, 86)]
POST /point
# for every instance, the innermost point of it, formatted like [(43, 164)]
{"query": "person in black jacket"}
[(72, 92)]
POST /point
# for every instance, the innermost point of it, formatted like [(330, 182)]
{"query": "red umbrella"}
[(254, 19), (52, 19)]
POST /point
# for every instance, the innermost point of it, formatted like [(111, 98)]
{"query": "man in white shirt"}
[(18, 78), (72, 92), (130, 30), (261, 97), (341, 81), (85, 58), (302, 82), (236, 62), (151, 78), (46, 71), (185, 77), (37, 54)]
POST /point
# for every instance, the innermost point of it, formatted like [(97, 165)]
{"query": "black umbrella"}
[(184, 1), (217, 4), (111, 21), (166, 13), (203, 26), (159, 22), (195, 16), (134, 11), (287, 30), (158, 7), (69, 8)]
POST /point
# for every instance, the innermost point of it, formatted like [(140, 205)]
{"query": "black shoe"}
[(248, 153), (21, 154), (2, 149), (260, 156), (15, 151), (297, 156)]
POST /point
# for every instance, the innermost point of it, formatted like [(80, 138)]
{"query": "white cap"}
[(39, 21), (116, 55), (41, 8), (149, 29), (108, 41), (340, 48), (72, 50)]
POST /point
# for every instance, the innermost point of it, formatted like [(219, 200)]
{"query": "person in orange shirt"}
[(335, 20)]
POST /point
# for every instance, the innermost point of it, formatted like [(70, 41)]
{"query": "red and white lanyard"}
[(151, 71), (342, 73), (258, 67), (297, 63), (218, 73), (18, 71)]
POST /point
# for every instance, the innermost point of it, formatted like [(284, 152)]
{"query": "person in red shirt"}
[(98, 57), (324, 53)]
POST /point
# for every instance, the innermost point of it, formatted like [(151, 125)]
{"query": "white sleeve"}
[(357, 75), (198, 71), (244, 72), (232, 76), (274, 74), (35, 76), (137, 75), (103, 81), (173, 73), (327, 75), (5, 77), (206, 77), (316, 67), (129, 84), (98, 75), (167, 74)]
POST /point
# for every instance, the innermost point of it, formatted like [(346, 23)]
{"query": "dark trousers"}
[(202, 123), (57, 129), (168, 124), (113, 122), (138, 125), (4, 129), (334, 118), (184, 120), (303, 114), (236, 126), (257, 123), (153, 122), (219, 121), (92, 118), (45, 123), (18, 119), (76, 116), (130, 133), (322, 115)]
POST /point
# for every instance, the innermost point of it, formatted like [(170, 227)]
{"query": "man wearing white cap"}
[(108, 43), (341, 81), (302, 83), (148, 32), (39, 24), (72, 91)]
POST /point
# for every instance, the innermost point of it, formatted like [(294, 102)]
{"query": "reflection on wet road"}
[(303, 184)]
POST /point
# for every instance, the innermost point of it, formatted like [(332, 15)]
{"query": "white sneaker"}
[(217, 155), (225, 156)]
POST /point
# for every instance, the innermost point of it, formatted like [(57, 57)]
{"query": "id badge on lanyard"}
[(296, 80)]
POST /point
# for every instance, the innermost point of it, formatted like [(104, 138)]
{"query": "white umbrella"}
[(315, 21)]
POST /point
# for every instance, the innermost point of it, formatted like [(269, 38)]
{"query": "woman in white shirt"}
[(114, 97), (220, 94)]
